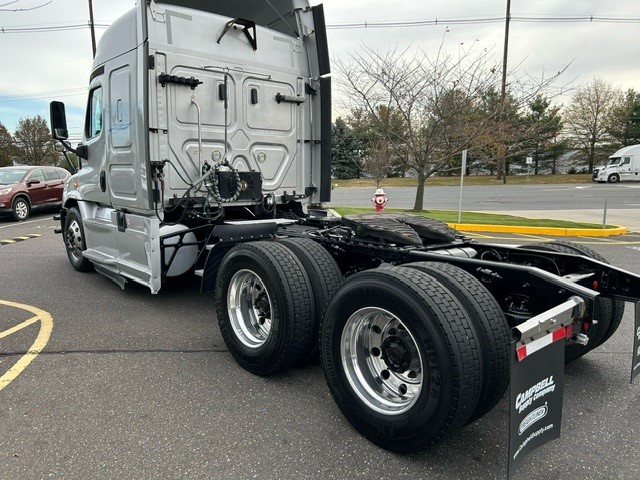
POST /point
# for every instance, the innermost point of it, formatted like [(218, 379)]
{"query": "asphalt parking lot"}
[(129, 385)]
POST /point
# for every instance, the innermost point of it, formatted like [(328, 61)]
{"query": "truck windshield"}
[(614, 161)]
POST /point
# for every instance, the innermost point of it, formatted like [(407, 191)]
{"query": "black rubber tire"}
[(444, 337), (289, 290), (617, 306), (19, 205), (74, 242), (325, 278), (613, 178), (490, 324), (604, 308)]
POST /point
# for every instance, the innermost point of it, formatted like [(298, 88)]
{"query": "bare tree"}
[(437, 98), (589, 117), (33, 142), (379, 160)]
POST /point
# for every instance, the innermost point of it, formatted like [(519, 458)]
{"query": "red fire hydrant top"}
[(379, 200)]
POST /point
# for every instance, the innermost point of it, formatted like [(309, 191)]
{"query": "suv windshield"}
[(11, 176)]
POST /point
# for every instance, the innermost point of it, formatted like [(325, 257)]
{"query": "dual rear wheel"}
[(270, 297), (410, 353)]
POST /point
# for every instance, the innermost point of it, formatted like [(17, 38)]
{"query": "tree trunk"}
[(419, 203), (592, 155)]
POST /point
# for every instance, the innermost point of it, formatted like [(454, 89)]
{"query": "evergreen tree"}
[(347, 151), (544, 124), (7, 149), (625, 126)]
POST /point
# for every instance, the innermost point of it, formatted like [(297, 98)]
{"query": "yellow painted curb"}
[(552, 231)]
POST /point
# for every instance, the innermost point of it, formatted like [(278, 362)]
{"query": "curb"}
[(551, 231)]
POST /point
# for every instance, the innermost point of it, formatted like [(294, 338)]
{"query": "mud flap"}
[(537, 387), (537, 380), (635, 363)]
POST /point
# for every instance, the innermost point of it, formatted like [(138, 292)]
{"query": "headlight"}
[(5, 191)]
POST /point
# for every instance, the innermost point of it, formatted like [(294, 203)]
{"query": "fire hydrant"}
[(379, 200)]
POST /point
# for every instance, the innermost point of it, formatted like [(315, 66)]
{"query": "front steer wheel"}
[(74, 241), (401, 357), (264, 304)]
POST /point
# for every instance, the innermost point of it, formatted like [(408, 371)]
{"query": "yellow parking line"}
[(534, 237), (21, 238), (597, 242), (477, 235), (46, 326), (19, 327)]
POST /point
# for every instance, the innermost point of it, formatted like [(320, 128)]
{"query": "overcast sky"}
[(36, 68)]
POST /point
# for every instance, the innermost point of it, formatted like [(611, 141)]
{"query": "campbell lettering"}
[(539, 390)]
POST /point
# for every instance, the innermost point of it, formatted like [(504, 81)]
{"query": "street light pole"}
[(93, 31)]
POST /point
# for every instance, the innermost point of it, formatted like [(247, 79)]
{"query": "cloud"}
[(38, 63)]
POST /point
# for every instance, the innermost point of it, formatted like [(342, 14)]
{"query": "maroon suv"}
[(24, 188)]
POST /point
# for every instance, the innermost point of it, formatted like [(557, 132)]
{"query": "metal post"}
[(464, 168), (93, 31), (604, 216)]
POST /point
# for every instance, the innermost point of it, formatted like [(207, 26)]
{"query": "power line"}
[(486, 20), (489, 19), (50, 28), (70, 92), (23, 9)]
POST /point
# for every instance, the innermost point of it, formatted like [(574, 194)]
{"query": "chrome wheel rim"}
[(22, 209), (250, 308), (381, 361), (74, 240)]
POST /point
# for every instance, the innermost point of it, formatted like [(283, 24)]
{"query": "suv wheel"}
[(21, 209)]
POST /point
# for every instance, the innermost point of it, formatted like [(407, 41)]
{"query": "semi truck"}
[(207, 151), (624, 165)]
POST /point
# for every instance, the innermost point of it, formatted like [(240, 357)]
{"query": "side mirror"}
[(33, 182), (59, 129), (60, 133)]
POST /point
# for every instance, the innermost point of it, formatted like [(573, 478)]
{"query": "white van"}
[(623, 165)]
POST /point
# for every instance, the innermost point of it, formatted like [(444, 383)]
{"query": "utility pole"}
[(93, 31), (502, 161)]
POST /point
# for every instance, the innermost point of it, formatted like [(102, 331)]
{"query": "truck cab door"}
[(92, 178), (624, 169)]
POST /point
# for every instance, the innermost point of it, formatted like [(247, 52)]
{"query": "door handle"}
[(103, 181)]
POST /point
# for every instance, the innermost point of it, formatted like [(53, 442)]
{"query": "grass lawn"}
[(450, 216), (470, 180)]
